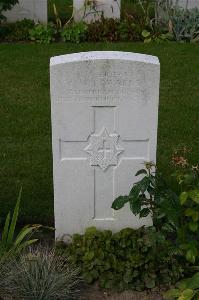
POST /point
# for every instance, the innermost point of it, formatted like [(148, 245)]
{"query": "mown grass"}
[(25, 144)]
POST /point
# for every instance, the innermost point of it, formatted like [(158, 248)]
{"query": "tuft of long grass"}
[(5, 268), (39, 274)]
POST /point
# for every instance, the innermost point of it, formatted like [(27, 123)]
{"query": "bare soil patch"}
[(95, 293)]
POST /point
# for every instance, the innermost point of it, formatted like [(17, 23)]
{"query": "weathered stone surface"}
[(188, 4), (28, 9), (94, 10), (104, 126)]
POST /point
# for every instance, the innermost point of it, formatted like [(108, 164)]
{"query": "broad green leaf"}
[(91, 230), (168, 227), (14, 219), (89, 255), (194, 195), (108, 284), (94, 273), (88, 278), (26, 244), (188, 179), (148, 40), (150, 283), (145, 33), (195, 216), (187, 294), (189, 212), (135, 205), (22, 234), (193, 226), (194, 282), (144, 212), (183, 197), (142, 171), (6, 227), (191, 256), (135, 191), (119, 202), (151, 191), (161, 215), (152, 180), (144, 184), (183, 284), (173, 293)]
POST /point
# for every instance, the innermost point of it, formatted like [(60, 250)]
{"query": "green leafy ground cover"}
[(25, 145)]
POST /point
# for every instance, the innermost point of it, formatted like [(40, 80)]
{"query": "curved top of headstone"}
[(103, 55)]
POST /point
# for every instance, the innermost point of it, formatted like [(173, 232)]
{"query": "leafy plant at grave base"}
[(112, 30), (151, 195), (39, 274), (103, 30), (156, 37), (185, 25), (186, 289), (140, 13), (74, 33), (43, 33), (6, 5), (18, 31), (129, 259), (187, 177), (128, 29), (9, 244)]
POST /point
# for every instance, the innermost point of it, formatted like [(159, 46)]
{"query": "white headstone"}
[(35, 10), (188, 4), (95, 8), (104, 126)]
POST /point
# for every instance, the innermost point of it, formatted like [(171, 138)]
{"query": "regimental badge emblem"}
[(104, 149)]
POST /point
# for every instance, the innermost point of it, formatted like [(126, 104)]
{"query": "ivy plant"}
[(43, 33), (186, 289), (130, 259), (74, 33)]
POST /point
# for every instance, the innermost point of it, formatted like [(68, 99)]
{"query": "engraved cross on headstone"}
[(104, 150)]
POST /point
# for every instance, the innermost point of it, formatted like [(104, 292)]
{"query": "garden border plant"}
[(149, 257), (147, 22), (130, 259), (10, 243), (38, 274)]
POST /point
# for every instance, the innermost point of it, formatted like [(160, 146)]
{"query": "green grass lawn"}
[(26, 158)]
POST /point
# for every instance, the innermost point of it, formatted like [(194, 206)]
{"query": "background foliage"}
[(6, 5)]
